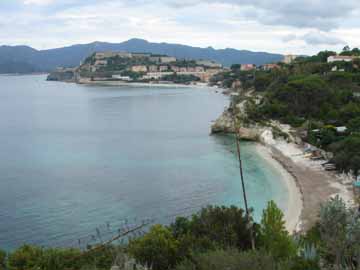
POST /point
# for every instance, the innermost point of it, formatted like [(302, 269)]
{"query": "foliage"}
[(223, 226), (212, 228), (347, 154), (32, 257), (309, 90), (218, 238), (180, 78), (2, 260), (273, 235), (340, 234), (158, 248), (229, 260)]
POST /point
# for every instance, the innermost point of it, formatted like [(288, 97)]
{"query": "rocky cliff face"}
[(224, 124), (62, 76)]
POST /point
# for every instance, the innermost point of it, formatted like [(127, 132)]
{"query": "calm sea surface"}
[(73, 158)]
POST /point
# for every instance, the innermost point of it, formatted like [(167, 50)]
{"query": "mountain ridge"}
[(25, 59)]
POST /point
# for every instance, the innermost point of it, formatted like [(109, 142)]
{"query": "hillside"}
[(23, 59), (318, 96)]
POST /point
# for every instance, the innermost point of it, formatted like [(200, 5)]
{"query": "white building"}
[(156, 75), (340, 58), (208, 63), (288, 59), (123, 78), (139, 68), (167, 59)]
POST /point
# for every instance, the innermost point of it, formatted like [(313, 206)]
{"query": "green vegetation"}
[(184, 79), (310, 94), (273, 235), (217, 238)]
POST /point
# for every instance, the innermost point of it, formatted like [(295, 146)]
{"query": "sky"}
[(279, 26)]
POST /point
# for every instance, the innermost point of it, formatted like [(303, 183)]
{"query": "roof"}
[(341, 57), (341, 129)]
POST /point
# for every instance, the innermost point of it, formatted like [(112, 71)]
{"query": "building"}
[(163, 68), (156, 75), (103, 55), (141, 55), (139, 68), (340, 58), (288, 59), (247, 67), (167, 59), (123, 78), (153, 68), (208, 63), (175, 68), (100, 63), (268, 67), (155, 59), (199, 69)]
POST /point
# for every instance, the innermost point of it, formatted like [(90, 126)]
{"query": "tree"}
[(229, 260), (347, 154), (26, 257), (224, 226), (346, 48), (158, 248), (2, 260), (340, 234), (354, 124), (273, 234)]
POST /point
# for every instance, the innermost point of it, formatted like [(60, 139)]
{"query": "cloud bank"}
[(283, 26)]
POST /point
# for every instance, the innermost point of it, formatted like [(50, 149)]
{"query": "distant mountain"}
[(23, 59)]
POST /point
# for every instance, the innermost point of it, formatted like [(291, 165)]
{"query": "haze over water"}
[(73, 157)]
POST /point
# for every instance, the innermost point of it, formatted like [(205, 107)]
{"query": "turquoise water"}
[(74, 157)]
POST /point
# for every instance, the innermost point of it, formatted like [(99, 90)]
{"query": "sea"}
[(76, 160)]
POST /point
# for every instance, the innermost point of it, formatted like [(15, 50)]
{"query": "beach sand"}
[(294, 206), (314, 185)]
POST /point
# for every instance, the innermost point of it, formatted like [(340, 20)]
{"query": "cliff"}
[(62, 76)]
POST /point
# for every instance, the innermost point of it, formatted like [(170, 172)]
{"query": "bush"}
[(229, 260), (2, 260), (158, 248)]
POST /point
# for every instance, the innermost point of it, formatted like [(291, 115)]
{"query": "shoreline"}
[(314, 185), (142, 84), (294, 206)]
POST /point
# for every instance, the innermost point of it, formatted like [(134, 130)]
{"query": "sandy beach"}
[(309, 182), (294, 206)]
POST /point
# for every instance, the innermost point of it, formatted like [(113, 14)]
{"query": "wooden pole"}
[(237, 138)]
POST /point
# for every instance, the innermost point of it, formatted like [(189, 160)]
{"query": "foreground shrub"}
[(229, 260)]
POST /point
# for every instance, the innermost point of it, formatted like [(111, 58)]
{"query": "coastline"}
[(294, 206), (139, 84), (313, 184)]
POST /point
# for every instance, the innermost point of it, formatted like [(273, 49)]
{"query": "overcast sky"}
[(282, 26)]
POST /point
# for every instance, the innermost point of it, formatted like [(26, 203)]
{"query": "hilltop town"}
[(138, 67)]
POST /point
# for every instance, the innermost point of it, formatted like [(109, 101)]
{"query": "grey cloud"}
[(315, 38), (318, 14), (289, 38)]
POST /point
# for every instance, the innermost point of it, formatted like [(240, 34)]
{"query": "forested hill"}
[(23, 59), (317, 97)]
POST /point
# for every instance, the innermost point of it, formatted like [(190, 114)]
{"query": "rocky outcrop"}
[(250, 133), (224, 124), (61, 76)]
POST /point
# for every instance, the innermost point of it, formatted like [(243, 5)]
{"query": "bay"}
[(75, 157)]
